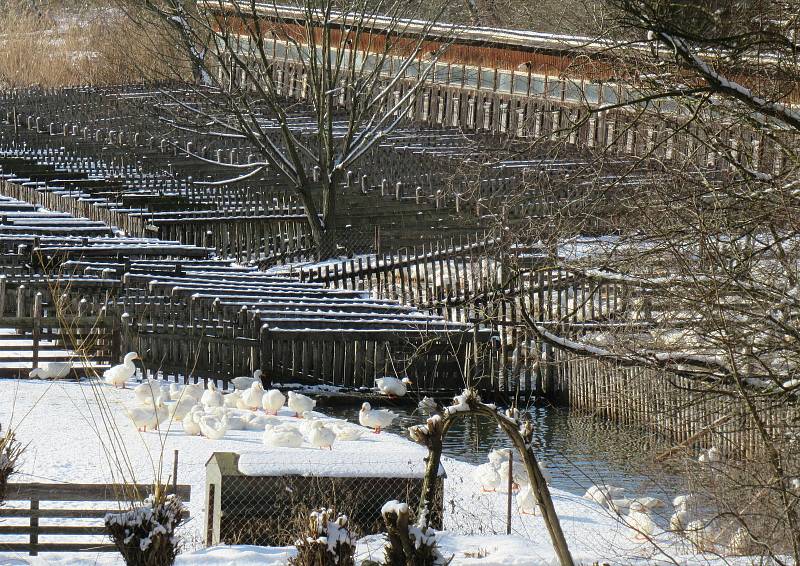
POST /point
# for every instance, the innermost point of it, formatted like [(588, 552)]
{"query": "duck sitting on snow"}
[(321, 436), (347, 433), (51, 370), (212, 397), (180, 408), (191, 422), (299, 403), (233, 399), (375, 419), (193, 390), (119, 375), (244, 382), (148, 416), (213, 427), (146, 393), (283, 436), (253, 396), (640, 521), (272, 401), (392, 386)]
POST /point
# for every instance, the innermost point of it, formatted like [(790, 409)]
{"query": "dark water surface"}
[(577, 450)]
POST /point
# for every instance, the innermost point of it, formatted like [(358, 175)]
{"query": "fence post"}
[(34, 536), (510, 487), (36, 331)]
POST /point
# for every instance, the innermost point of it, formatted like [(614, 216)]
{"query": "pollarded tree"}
[(360, 67)]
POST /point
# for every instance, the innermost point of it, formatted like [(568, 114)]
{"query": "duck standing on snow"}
[(300, 404), (148, 416), (273, 401), (604, 494), (253, 396), (392, 386), (526, 501), (119, 375), (487, 475), (283, 436), (51, 370), (321, 436), (375, 419), (211, 397), (244, 382)]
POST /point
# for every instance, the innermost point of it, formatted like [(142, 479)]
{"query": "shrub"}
[(409, 543), (10, 453), (145, 534), (325, 542)]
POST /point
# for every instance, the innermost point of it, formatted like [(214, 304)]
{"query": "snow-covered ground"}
[(69, 442)]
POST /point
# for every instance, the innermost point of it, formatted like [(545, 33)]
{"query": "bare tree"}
[(359, 68)]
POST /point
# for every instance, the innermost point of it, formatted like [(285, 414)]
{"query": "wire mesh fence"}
[(270, 510)]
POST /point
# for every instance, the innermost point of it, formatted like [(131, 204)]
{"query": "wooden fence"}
[(74, 519)]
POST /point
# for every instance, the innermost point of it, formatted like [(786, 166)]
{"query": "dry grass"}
[(63, 46)]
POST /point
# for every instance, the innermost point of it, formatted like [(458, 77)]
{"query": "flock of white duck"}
[(211, 413)]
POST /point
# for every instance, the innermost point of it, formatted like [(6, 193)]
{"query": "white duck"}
[(321, 436), (236, 422), (526, 501), (486, 475), (375, 419), (148, 416), (233, 399), (710, 456), (180, 408), (253, 396), (244, 382), (679, 520), (191, 422), (283, 436), (212, 397), (119, 375), (519, 475), (213, 427), (428, 405), (649, 503), (640, 521), (259, 422), (146, 393), (51, 370), (299, 403), (604, 494), (347, 433), (392, 386), (272, 401), (193, 390)]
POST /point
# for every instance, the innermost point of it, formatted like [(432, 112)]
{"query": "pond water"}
[(577, 450)]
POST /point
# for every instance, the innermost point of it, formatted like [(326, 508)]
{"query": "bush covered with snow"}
[(409, 543), (325, 542), (10, 452), (145, 534)]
